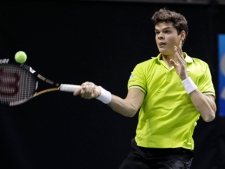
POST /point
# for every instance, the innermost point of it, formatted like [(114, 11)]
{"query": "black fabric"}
[(153, 158)]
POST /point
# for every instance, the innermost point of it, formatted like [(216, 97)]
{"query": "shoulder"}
[(196, 61), (201, 64), (199, 61)]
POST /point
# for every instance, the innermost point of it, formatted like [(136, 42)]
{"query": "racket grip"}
[(69, 88)]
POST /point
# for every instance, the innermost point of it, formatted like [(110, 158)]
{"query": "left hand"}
[(180, 65)]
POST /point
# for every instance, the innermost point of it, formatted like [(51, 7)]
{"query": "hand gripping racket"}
[(19, 83)]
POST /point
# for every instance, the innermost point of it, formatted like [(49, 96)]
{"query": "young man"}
[(171, 90)]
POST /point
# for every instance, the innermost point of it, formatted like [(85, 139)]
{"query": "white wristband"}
[(105, 96), (189, 85)]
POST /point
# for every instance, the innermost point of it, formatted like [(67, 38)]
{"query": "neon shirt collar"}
[(187, 58)]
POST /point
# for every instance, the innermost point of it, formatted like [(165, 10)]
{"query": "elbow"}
[(130, 114), (209, 114), (210, 117), (127, 113)]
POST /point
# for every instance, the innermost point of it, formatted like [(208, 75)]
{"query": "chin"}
[(162, 52)]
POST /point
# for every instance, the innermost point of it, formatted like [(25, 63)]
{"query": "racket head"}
[(18, 83)]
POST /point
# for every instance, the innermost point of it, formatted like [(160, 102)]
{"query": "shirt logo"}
[(131, 76)]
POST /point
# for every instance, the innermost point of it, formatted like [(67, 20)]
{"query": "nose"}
[(160, 36)]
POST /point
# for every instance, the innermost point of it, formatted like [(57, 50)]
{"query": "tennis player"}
[(170, 91)]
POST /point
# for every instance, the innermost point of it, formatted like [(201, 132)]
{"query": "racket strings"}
[(16, 83)]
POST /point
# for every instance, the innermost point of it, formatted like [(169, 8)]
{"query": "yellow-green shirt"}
[(167, 116)]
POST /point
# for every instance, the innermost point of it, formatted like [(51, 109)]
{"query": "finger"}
[(180, 44), (88, 90), (178, 53), (77, 92), (175, 64), (83, 85), (180, 47)]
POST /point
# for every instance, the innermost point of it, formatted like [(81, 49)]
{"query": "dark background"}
[(73, 42)]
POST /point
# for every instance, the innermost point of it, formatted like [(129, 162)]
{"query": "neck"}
[(167, 59)]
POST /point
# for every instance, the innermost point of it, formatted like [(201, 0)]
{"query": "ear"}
[(183, 35)]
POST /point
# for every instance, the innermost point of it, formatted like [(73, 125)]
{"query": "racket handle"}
[(69, 88)]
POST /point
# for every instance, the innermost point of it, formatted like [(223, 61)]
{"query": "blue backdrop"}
[(221, 96)]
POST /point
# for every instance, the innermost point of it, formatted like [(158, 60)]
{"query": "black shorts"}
[(154, 158)]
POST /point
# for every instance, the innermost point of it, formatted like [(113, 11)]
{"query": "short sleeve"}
[(137, 78), (205, 82)]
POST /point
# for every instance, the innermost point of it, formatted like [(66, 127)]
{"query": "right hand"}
[(88, 90)]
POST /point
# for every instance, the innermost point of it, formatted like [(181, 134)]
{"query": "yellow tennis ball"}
[(20, 57)]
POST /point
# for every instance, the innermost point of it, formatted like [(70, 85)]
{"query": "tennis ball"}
[(20, 57)]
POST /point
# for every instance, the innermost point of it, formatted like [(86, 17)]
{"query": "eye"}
[(167, 31)]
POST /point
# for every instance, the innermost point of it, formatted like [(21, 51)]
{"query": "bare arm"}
[(126, 107), (205, 104), (130, 105)]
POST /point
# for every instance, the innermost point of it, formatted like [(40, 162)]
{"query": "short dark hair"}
[(164, 15)]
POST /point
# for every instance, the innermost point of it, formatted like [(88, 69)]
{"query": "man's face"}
[(166, 37)]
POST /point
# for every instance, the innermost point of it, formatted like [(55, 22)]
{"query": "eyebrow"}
[(164, 28)]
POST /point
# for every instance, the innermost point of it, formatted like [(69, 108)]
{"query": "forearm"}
[(204, 104), (122, 106), (126, 107)]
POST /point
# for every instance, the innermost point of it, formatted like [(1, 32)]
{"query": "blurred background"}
[(99, 41)]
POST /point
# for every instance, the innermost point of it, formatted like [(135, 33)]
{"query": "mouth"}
[(161, 44)]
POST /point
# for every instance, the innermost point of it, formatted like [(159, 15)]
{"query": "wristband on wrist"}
[(189, 85), (105, 96)]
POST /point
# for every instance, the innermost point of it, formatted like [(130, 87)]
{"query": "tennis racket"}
[(19, 83)]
